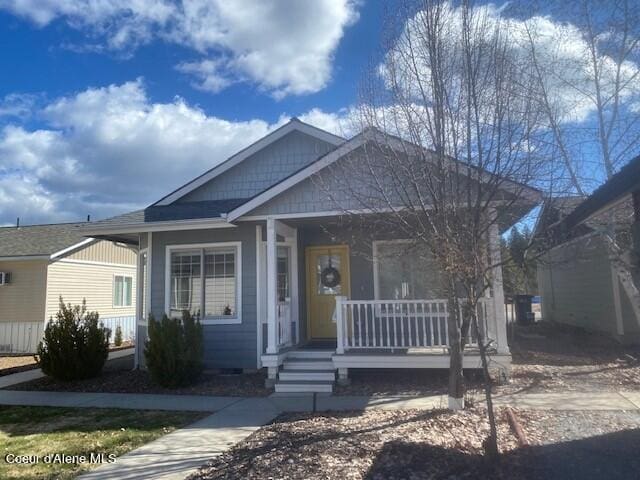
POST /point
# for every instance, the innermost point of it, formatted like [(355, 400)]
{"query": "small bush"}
[(174, 350), (75, 346), (117, 337)]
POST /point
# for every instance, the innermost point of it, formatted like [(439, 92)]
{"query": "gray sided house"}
[(589, 273), (258, 249)]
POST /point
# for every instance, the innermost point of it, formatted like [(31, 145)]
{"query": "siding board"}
[(576, 286), (23, 300), (106, 252), (78, 281)]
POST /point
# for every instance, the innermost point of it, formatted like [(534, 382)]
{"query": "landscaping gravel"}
[(373, 444), (434, 445), (118, 377)]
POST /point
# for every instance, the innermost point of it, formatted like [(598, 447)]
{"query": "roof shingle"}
[(36, 240)]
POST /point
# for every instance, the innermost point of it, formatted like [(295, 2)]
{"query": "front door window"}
[(328, 275)]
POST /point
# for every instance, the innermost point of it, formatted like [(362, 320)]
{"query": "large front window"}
[(405, 272), (205, 282)]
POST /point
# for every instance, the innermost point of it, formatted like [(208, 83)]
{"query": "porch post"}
[(339, 325), (272, 283), (499, 316)]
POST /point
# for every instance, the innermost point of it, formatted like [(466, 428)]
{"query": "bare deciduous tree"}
[(587, 70), (450, 146)]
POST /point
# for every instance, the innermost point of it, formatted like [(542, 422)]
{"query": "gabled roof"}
[(47, 241), (300, 175), (553, 210), (350, 145), (615, 189), (220, 213), (293, 124)]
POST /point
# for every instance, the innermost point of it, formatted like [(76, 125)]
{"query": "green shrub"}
[(75, 346), (174, 350), (117, 337)]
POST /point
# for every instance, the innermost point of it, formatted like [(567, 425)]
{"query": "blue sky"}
[(107, 106), (49, 61), (93, 93)]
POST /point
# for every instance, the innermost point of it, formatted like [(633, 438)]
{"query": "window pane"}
[(220, 282), (186, 282), (283, 273), (127, 290), (330, 285), (405, 272), (117, 291)]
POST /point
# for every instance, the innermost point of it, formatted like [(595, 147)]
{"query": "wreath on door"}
[(330, 276)]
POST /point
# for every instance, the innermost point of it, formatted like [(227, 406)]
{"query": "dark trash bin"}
[(524, 314)]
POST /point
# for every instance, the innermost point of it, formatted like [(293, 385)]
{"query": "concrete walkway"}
[(177, 455), (305, 403), (21, 377), (180, 453)]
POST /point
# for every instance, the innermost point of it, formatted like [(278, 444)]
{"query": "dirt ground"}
[(546, 358), (432, 445), (14, 364), (549, 358)]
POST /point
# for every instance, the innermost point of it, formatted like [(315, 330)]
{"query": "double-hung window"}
[(206, 282), (122, 291)]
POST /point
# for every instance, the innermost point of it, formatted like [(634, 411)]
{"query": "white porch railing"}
[(284, 322), (391, 324)]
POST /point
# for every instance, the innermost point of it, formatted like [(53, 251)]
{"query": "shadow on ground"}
[(562, 345), (612, 456)]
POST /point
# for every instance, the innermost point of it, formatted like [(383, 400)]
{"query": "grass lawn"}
[(77, 431)]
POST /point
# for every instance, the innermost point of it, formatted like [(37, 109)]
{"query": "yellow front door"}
[(327, 276)]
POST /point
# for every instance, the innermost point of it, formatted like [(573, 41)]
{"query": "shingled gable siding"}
[(312, 195), (226, 346), (263, 169)]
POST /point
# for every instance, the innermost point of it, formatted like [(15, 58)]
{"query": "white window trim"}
[(376, 262), (140, 284), (113, 290), (235, 320)]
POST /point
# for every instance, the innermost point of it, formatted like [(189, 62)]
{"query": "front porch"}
[(299, 306)]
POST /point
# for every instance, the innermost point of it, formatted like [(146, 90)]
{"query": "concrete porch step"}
[(307, 375), (299, 386), (308, 364), (311, 354)]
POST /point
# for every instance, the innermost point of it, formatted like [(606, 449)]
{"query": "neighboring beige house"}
[(41, 263)]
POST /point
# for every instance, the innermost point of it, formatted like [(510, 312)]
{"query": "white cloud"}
[(208, 73), (17, 105), (284, 47), (561, 48), (342, 123), (108, 150)]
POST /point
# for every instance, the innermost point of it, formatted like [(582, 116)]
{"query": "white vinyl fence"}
[(20, 337), (23, 337), (127, 324)]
